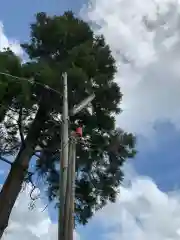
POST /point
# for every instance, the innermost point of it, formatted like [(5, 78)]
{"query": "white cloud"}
[(11, 43), (150, 81), (31, 224), (142, 212), (145, 39)]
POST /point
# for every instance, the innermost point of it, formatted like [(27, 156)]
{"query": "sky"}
[(144, 37)]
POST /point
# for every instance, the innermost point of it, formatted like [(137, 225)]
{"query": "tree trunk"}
[(15, 178), (9, 194)]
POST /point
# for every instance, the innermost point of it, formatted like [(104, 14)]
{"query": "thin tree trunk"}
[(15, 178)]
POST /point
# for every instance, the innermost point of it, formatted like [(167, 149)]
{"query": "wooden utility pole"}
[(63, 159), (67, 168), (70, 196), (73, 186), (68, 200)]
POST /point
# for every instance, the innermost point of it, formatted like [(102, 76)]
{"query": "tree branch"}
[(29, 179), (20, 126), (5, 160)]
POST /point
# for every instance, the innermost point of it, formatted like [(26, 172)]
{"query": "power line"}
[(31, 81)]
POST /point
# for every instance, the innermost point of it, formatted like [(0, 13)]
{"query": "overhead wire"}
[(31, 81)]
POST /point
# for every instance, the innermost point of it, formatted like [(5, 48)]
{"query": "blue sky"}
[(161, 162), (17, 15), (151, 89)]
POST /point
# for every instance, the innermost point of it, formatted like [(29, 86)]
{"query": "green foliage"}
[(9, 89), (67, 44)]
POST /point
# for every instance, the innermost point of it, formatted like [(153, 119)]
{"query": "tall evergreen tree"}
[(9, 89), (67, 44)]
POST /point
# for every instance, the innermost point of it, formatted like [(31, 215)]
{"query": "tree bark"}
[(9, 194), (15, 178)]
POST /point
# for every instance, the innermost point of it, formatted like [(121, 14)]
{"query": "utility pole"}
[(73, 186), (67, 168), (67, 211), (63, 159), (70, 194)]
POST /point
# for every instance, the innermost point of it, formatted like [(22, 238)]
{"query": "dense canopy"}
[(61, 44)]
